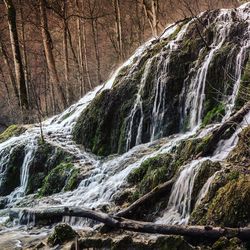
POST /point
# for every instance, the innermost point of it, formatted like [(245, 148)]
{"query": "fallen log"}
[(147, 200), (136, 226), (217, 134)]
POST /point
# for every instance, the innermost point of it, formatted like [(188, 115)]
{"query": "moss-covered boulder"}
[(13, 130), (240, 155), (151, 173), (244, 91), (229, 205), (56, 179), (62, 233), (11, 169), (207, 169), (46, 158)]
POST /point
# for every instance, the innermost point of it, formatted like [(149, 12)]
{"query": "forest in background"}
[(53, 51)]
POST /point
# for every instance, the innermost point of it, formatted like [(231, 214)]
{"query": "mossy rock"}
[(244, 90), (56, 179), (73, 181), (214, 115), (12, 170), (46, 158), (151, 173), (62, 233), (224, 243), (207, 169), (230, 205), (13, 130), (240, 155), (188, 149)]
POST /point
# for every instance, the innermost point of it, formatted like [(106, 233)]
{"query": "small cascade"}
[(30, 150), (161, 78), (179, 205), (240, 59), (138, 109), (194, 91)]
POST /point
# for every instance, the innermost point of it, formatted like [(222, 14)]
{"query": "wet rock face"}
[(11, 170), (47, 158), (149, 98), (227, 201), (13, 130), (62, 233)]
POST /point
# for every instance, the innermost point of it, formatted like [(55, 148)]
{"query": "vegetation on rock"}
[(62, 233), (13, 130)]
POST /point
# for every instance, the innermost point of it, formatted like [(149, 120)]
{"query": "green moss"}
[(230, 204), (13, 130), (56, 179), (224, 243), (240, 155), (151, 173), (73, 181), (244, 91), (207, 169), (214, 115), (62, 233), (46, 158)]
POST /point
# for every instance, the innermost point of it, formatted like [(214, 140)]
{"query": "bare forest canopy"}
[(53, 51)]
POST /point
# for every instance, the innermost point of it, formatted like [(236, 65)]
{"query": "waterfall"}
[(194, 91), (107, 176), (138, 107), (160, 91), (30, 150)]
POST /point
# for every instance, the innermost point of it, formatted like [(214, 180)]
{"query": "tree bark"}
[(151, 11), (47, 43), (148, 199), (206, 232), (118, 28), (19, 70), (8, 67)]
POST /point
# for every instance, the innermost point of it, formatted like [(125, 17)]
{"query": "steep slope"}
[(187, 77)]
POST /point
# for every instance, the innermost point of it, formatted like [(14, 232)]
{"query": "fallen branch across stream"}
[(131, 225), (148, 199), (234, 120)]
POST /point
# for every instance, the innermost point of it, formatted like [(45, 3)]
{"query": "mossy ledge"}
[(11, 131)]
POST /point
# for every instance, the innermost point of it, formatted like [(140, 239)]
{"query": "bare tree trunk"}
[(118, 27), (86, 62), (25, 58), (8, 67), (19, 70), (151, 11), (66, 54), (47, 43)]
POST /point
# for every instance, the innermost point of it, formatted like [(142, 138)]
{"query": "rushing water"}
[(108, 176)]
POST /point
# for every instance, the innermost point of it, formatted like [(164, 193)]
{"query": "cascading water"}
[(196, 87), (138, 107), (108, 176), (161, 76), (179, 206)]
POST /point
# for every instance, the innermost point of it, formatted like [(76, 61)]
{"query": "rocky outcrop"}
[(162, 77)]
